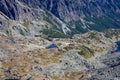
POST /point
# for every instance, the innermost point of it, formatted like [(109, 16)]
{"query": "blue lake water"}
[(118, 47), (51, 46)]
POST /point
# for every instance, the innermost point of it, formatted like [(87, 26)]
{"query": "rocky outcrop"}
[(111, 72), (15, 10), (71, 62)]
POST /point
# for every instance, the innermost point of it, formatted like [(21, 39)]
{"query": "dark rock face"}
[(96, 14), (72, 10), (14, 10), (9, 9), (69, 10), (111, 72), (99, 12)]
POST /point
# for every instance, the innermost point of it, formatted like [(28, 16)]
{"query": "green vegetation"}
[(93, 35), (54, 33), (38, 35), (105, 22), (8, 32), (67, 48), (98, 23), (78, 27), (86, 52), (48, 19), (81, 53)]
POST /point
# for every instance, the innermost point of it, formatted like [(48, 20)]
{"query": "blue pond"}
[(118, 47), (51, 46)]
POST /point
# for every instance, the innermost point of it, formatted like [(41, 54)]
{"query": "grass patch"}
[(86, 52), (54, 34)]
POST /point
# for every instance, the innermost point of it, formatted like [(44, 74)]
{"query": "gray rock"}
[(111, 72)]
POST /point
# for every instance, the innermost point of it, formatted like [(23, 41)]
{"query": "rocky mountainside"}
[(63, 16), (18, 18), (28, 58), (69, 10), (28, 28), (85, 15)]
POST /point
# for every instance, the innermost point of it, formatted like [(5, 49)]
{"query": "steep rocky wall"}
[(69, 10)]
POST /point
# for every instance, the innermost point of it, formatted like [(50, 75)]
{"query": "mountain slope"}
[(69, 10), (23, 20), (99, 13), (65, 16)]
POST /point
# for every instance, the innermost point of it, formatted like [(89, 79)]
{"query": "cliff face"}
[(78, 15), (82, 15), (69, 10), (15, 10)]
